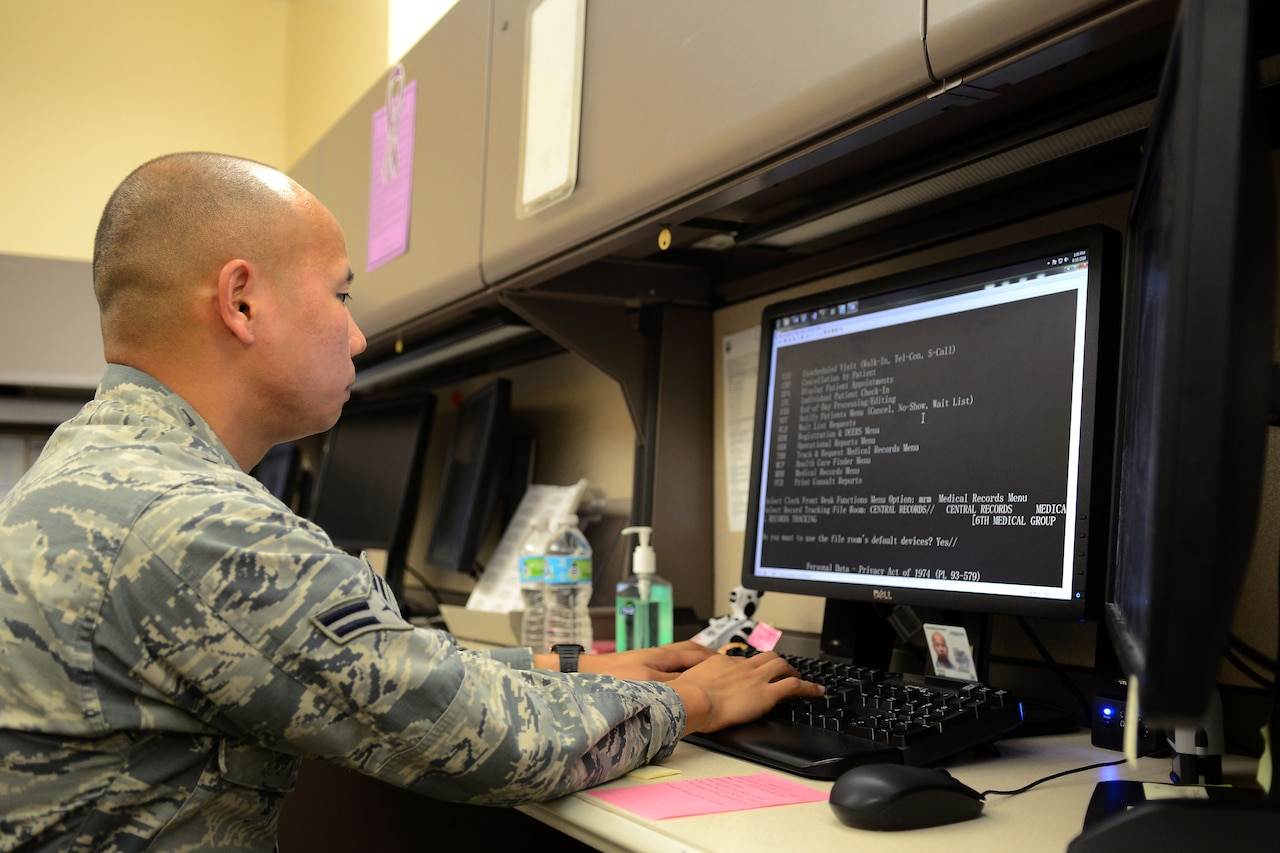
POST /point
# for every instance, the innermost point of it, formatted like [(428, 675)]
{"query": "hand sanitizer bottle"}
[(644, 616)]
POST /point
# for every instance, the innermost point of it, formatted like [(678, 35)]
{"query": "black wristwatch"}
[(569, 653)]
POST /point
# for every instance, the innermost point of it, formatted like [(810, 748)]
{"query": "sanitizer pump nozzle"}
[(644, 562)]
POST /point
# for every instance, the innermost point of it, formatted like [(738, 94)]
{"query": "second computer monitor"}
[(475, 471), (1196, 365), (367, 490)]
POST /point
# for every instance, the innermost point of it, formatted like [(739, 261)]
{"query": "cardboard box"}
[(497, 629), (503, 629)]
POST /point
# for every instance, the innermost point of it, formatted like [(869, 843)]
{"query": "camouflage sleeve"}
[(517, 658), (249, 619)]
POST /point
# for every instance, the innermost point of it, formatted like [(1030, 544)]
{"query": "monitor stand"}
[(857, 631), (862, 632), (1120, 820)]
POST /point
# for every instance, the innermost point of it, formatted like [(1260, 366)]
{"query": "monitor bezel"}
[(1097, 403)]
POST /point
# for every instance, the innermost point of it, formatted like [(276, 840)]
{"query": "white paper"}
[(498, 589), (741, 356)]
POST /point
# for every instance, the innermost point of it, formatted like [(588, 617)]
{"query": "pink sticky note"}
[(764, 637), (689, 797)]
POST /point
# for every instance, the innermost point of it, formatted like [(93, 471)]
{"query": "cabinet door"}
[(960, 33), (678, 96), (448, 69)]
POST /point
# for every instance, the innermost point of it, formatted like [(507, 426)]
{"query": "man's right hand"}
[(725, 690)]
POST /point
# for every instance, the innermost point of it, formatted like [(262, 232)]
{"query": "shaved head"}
[(171, 225)]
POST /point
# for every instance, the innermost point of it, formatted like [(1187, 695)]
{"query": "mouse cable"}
[(1026, 788)]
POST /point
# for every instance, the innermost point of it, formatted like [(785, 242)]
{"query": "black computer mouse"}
[(898, 796)]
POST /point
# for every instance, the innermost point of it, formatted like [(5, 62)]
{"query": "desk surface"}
[(1045, 818)]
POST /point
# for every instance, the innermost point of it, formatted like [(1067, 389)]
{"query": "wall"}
[(335, 50), (93, 88)]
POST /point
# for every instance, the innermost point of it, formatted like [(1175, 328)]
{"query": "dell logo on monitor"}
[(882, 594)]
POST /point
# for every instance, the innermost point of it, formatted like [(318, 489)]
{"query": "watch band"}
[(569, 653)]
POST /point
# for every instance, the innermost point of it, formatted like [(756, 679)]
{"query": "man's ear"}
[(237, 299)]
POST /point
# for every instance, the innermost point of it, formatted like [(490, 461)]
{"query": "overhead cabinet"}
[(677, 96), (681, 108)]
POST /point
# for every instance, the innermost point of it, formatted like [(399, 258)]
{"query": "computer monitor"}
[(279, 471), (475, 469), (1196, 367), (367, 489), (938, 438)]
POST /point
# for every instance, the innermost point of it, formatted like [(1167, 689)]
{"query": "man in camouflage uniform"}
[(173, 639)]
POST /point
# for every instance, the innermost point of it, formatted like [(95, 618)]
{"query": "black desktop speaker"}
[(1111, 717)]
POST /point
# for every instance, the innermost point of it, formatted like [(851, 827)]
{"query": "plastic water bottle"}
[(644, 615), (568, 586), (533, 582)]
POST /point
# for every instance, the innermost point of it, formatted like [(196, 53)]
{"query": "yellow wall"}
[(337, 50), (89, 89)]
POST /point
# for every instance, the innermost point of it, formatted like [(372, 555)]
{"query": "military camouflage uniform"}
[(172, 639)]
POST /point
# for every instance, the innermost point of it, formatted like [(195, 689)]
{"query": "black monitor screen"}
[(367, 488), (929, 439), (1199, 302), (475, 471), (278, 471)]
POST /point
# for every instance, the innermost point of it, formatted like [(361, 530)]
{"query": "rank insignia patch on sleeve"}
[(355, 616)]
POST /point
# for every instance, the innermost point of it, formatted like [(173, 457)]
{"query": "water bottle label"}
[(533, 569), (568, 569)]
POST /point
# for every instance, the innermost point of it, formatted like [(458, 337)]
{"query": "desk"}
[(1045, 818)]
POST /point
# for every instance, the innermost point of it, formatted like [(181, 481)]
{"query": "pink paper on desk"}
[(688, 797)]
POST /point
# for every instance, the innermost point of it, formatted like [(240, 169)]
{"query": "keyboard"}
[(868, 716)]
